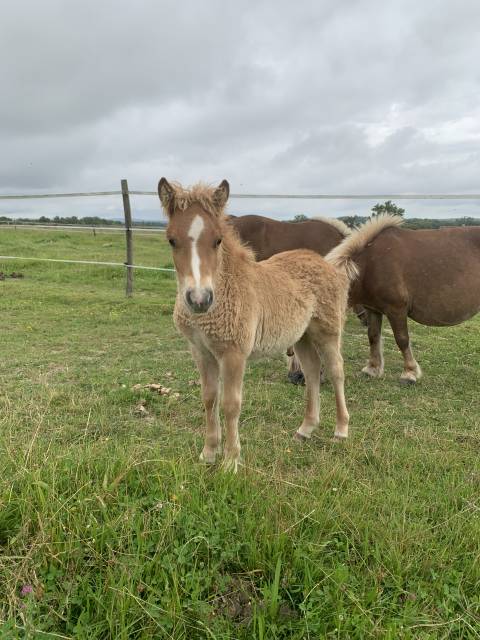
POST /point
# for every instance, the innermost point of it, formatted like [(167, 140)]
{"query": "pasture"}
[(110, 528)]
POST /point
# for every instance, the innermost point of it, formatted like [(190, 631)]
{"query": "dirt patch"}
[(239, 600)]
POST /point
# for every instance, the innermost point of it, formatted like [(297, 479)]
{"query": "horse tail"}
[(343, 255), (340, 226)]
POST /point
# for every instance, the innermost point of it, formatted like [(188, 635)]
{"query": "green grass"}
[(106, 513)]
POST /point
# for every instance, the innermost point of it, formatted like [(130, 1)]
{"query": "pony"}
[(267, 237), (429, 275), (231, 308)]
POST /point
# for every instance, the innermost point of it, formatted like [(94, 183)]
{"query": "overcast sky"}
[(358, 96)]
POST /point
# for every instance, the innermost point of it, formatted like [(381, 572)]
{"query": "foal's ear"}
[(165, 192), (221, 193)]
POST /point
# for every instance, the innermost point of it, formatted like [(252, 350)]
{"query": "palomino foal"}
[(230, 308)]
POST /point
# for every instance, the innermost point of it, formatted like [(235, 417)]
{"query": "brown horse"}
[(267, 237), (431, 276), (231, 307)]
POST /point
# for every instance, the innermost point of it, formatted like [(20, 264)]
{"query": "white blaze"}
[(194, 232)]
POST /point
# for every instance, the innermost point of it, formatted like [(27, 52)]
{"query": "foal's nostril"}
[(199, 300)]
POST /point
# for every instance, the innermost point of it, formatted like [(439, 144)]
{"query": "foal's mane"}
[(201, 193), (335, 222)]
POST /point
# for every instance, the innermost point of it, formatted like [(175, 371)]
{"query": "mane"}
[(335, 222), (201, 192), (342, 255)]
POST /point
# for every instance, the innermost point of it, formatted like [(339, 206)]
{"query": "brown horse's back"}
[(433, 274), (267, 237)]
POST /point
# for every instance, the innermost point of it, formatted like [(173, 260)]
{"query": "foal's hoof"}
[(300, 437), (340, 437), (208, 457), (296, 377), (230, 465)]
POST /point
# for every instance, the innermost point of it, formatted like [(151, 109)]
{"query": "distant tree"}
[(43, 219), (353, 221), (300, 217), (387, 207)]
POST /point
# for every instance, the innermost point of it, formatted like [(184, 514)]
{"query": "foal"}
[(231, 307)]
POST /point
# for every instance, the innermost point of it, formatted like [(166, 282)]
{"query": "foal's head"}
[(194, 231)]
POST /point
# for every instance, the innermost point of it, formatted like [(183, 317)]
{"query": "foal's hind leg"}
[(329, 346), (374, 366), (411, 369), (310, 361), (209, 374)]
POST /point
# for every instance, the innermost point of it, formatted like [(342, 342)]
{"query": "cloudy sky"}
[(358, 96)]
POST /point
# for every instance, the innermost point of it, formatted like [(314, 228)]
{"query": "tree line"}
[(88, 221), (391, 208), (351, 221)]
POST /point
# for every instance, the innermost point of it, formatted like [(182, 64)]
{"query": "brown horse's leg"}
[(411, 369), (295, 373), (209, 374), (310, 362), (374, 366), (361, 313), (232, 368), (330, 348)]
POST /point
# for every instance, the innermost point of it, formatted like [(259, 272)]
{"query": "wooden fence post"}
[(129, 237)]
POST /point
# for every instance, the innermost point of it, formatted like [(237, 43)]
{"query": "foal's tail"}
[(342, 256)]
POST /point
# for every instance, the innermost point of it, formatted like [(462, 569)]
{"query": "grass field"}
[(110, 528)]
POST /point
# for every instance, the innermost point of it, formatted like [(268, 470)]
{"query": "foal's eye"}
[(217, 242), (172, 242)]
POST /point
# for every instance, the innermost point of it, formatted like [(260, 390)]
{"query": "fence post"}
[(129, 237)]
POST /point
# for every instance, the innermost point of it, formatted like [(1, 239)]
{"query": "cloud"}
[(361, 96)]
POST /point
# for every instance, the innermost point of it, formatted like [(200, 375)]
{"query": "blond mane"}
[(202, 193), (335, 222), (342, 255)]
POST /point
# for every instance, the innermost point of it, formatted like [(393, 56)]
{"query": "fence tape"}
[(79, 227), (107, 264)]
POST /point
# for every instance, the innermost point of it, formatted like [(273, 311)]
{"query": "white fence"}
[(129, 229)]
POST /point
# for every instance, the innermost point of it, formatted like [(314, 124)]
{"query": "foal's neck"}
[(235, 257)]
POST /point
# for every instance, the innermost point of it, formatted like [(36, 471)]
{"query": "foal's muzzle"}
[(199, 300)]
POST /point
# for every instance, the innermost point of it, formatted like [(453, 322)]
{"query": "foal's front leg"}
[(232, 368), (209, 374)]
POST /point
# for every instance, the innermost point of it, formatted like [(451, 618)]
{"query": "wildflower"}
[(26, 589)]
